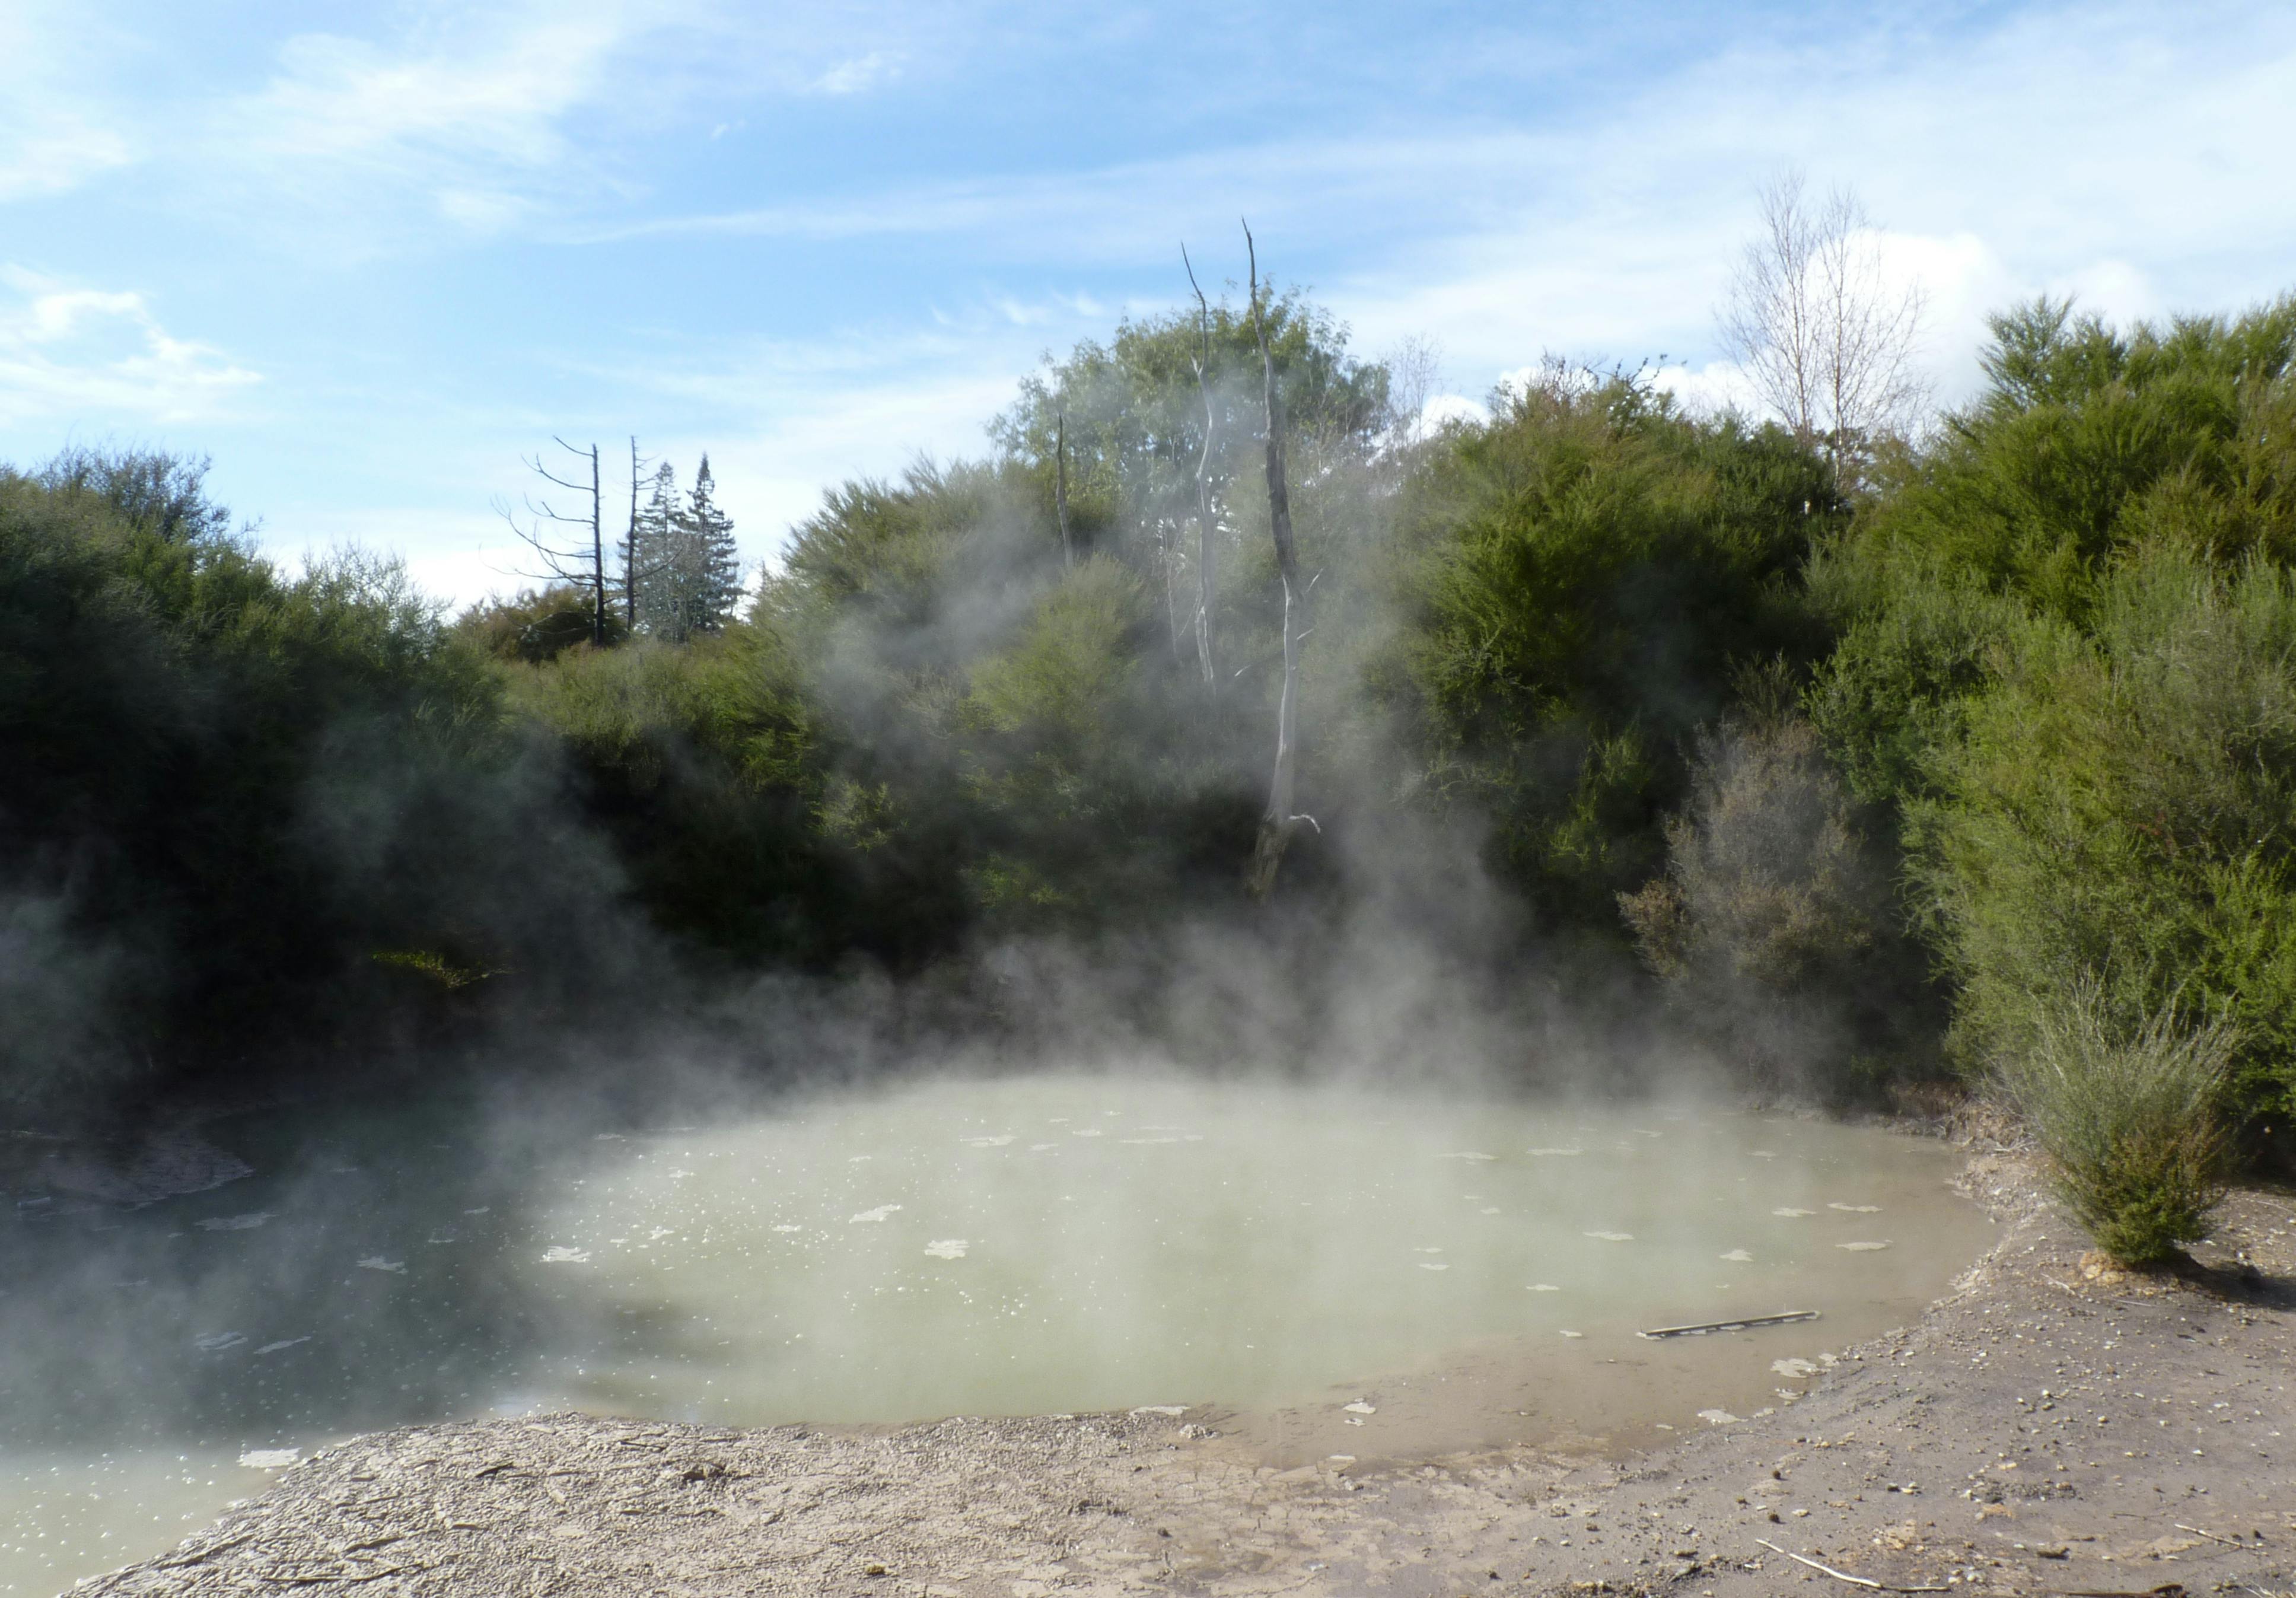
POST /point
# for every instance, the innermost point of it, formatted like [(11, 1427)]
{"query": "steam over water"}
[(1333, 1266)]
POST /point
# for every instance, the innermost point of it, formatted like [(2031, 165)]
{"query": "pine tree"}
[(715, 586), (689, 576), (653, 559)]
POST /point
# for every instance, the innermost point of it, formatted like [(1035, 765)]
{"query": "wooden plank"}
[(1744, 1323)]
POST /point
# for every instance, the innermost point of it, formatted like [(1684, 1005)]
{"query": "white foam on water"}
[(1558, 1150), (236, 1223), (1796, 1368), (867, 1215), (1491, 1209), (1431, 1249), (1613, 1237), (1137, 1141), (1161, 1409), (992, 1141), (1718, 1417), (1793, 1214), (215, 1342), (1085, 1132), (1857, 1209), (1542, 1287), (1574, 1334), (1761, 1154), (1862, 1248), (788, 1228), (1739, 1256), (270, 1459), (948, 1248), (1038, 1148), (563, 1254), (1470, 1154), (376, 1262), (1360, 1408), (1434, 1264), (287, 1343)]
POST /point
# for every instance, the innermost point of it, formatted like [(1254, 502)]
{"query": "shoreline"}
[(2042, 1428)]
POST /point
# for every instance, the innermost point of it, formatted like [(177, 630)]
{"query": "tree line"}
[(1891, 747), (675, 572)]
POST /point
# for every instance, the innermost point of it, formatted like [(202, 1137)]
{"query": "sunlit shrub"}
[(2127, 1113), (2124, 803)]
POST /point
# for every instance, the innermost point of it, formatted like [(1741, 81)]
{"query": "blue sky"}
[(369, 255)]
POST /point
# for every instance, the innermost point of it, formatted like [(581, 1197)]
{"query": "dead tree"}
[(1206, 586), (562, 562), (1826, 340), (634, 570), (1061, 487), (1279, 820)]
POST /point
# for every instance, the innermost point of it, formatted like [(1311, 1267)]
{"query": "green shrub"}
[(2127, 1114), (2124, 803), (1576, 580), (541, 625)]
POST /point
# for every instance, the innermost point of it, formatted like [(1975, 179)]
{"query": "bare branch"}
[(1813, 322), (1207, 583)]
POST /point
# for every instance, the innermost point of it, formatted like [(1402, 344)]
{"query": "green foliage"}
[(2089, 441), (1135, 416), (537, 625), (2120, 807), (700, 762), (164, 495), (226, 790), (2126, 1109), (1578, 578), (2088, 446)]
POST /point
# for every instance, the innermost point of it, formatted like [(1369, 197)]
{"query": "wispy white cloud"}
[(858, 74), (72, 354), (56, 129)]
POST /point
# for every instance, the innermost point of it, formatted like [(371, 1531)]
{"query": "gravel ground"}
[(2050, 1427)]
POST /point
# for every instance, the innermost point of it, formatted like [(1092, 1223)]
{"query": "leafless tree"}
[(1278, 821), (1827, 340), (561, 557), (1207, 585), (1415, 366)]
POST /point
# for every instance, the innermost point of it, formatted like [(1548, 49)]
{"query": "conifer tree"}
[(653, 546), (715, 585), (689, 571)]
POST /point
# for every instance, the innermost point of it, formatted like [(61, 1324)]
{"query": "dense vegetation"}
[(1986, 757)]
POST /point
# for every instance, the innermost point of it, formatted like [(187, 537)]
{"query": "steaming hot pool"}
[(1332, 1269)]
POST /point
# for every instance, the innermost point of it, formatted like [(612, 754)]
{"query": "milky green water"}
[(1025, 1245)]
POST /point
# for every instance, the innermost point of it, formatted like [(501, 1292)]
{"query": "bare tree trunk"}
[(597, 556), (1279, 820), (630, 546), (1061, 487), (1207, 557), (561, 563)]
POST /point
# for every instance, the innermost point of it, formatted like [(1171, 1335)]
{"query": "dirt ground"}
[(2049, 1427)]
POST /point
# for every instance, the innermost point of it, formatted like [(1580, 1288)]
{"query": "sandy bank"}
[(2041, 1430)]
